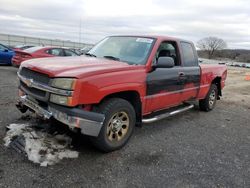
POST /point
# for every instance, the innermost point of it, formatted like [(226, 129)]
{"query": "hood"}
[(77, 67)]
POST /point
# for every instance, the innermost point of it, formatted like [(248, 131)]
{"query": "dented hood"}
[(77, 67)]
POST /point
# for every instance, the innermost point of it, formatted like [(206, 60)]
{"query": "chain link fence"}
[(13, 40)]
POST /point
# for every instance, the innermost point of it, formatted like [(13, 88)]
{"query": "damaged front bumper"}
[(90, 123)]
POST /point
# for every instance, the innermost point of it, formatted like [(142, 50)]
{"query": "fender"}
[(94, 97), (208, 74)]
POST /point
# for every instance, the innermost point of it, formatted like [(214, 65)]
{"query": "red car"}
[(39, 52)]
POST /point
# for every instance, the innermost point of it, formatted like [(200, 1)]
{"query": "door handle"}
[(182, 77), (181, 74)]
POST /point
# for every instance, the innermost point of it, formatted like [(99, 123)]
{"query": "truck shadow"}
[(80, 142)]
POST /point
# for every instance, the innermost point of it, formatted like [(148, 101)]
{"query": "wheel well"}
[(217, 82), (133, 97)]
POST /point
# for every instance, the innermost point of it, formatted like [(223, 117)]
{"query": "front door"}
[(163, 84)]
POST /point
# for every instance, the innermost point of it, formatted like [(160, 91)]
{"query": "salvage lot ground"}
[(194, 149)]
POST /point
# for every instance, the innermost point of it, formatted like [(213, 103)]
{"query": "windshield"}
[(133, 50)]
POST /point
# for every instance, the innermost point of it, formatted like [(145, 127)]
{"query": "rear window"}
[(189, 58), (33, 49)]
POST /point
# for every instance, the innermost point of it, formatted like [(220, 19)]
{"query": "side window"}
[(189, 58), (55, 52), (69, 53), (168, 49)]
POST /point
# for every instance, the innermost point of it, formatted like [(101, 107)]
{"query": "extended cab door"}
[(163, 86), (190, 74)]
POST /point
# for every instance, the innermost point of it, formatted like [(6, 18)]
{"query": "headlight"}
[(62, 100), (64, 83)]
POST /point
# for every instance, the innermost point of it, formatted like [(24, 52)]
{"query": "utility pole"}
[(80, 32)]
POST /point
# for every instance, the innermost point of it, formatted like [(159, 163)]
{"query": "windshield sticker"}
[(145, 40)]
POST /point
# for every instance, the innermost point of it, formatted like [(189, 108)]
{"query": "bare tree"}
[(211, 44)]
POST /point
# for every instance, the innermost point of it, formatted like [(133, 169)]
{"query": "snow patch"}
[(41, 147)]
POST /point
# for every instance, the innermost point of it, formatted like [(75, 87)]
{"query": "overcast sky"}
[(188, 19)]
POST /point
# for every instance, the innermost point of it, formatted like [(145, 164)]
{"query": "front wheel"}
[(209, 102), (118, 125)]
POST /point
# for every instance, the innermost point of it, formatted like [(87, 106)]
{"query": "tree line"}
[(215, 48)]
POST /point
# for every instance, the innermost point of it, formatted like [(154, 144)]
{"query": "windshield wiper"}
[(89, 54), (111, 57)]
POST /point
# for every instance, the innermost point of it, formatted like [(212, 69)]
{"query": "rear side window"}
[(189, 58), (69, 53), (55, 52)]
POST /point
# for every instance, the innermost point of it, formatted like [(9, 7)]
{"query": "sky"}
[(91, 20)]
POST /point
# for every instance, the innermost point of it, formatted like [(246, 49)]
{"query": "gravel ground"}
[(193, 149)]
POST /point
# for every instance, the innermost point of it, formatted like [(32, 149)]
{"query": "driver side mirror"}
[(165, 62), (6, 50)]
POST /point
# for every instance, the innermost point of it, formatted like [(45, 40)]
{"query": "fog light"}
[(20, 93), (62, 100)]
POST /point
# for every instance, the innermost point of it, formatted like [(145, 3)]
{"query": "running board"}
[(168, 114)]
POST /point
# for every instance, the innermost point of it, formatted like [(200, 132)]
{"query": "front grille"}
[(36, 76), (34, 91)]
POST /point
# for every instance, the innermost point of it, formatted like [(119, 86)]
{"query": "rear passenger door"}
[(190, 74)]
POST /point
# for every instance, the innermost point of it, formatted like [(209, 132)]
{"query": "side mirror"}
[(5, 50), (165, 62)]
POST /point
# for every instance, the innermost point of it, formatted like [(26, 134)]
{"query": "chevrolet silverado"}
[(123, 81)]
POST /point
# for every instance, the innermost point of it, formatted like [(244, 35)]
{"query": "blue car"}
[(6, 55)]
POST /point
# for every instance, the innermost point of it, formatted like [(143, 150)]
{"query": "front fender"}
[(95, 95)]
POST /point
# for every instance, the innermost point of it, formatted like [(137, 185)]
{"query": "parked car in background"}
[(40, 52), (6, 55), (22, 47)]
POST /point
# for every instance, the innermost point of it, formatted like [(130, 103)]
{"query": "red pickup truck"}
[(121, 82)]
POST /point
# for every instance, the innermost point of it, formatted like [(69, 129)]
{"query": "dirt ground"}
[(237, 90), (193, 149)]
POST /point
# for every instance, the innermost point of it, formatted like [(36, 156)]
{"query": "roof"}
[(159, 37)]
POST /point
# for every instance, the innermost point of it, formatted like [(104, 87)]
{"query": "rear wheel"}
[(209, 102), (118, 125)]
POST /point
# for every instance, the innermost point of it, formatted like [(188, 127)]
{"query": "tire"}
[(209, 102), (14, 65), (118, 125)]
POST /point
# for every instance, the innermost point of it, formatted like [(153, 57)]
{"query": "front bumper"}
[(90, 123)]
